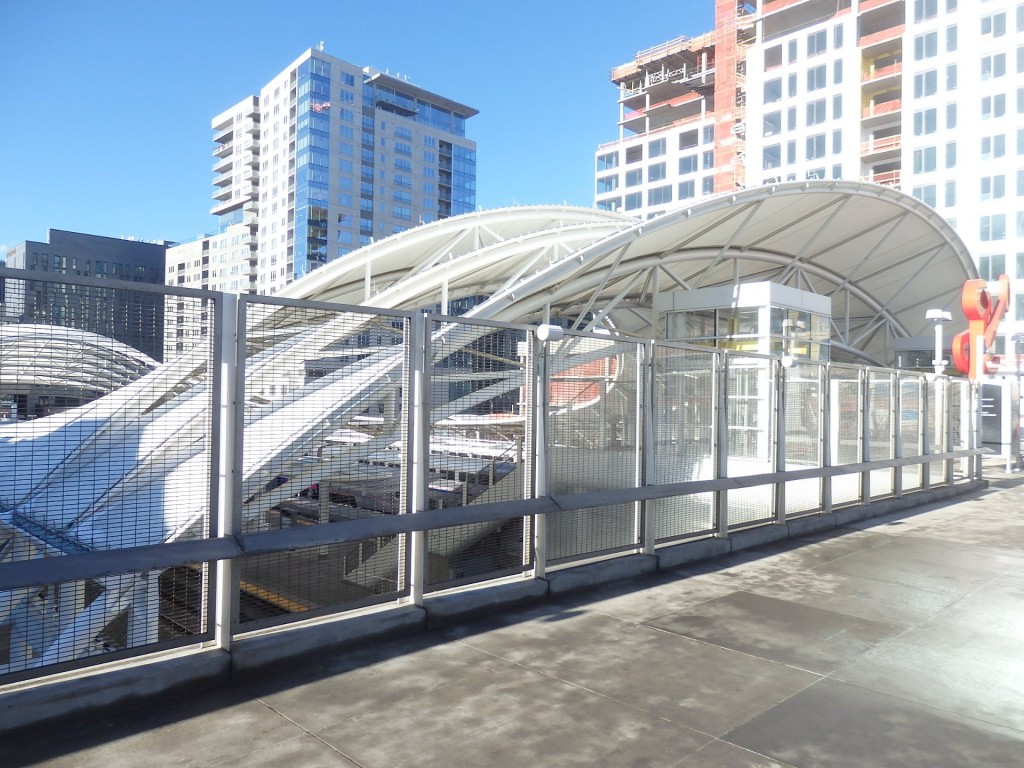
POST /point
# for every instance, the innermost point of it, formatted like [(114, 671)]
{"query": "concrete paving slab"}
[(789, 633), (721, 754), (835, 724)]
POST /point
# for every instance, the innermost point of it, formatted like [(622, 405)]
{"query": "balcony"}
[(881, 148), (882, 38), (886, 178), (880, 111), (881, 75), (223, 180), (223, 150), (223, 194)]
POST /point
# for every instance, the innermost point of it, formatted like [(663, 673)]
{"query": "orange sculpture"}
[(983, 313)]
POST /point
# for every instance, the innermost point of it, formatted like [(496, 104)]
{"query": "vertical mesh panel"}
[(959, 401), (880, 436), (911, 423), (803, 434), (684, 417), (936, 415), (322, 443), (103, 447), (844, 429), (592, 442), (477, 434), (749, 389)]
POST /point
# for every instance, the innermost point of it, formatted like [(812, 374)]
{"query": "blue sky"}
[(105, 106)]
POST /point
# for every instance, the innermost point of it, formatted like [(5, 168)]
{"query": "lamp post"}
[(938, 316)]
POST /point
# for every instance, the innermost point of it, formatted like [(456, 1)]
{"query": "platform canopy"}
[(882, 257)]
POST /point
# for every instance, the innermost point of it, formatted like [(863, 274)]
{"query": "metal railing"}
[(298, 459)]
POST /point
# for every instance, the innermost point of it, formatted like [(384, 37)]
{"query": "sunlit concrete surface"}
[(891, 642)]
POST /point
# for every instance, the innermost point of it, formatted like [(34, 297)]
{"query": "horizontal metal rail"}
[(93, 565)]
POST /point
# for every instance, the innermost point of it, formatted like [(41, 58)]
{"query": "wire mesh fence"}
[(685, 422), (881, 441), (845, 430), (750, 404), (911, 426), (322, 443), (103, 447), (804, 392), (593, 441), (477, 435)]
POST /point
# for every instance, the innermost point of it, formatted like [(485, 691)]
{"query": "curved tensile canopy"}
[(882, 257)]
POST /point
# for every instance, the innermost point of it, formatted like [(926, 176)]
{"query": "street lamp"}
[(939, 316)]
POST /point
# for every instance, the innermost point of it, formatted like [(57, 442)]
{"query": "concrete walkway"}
[(898, 641)]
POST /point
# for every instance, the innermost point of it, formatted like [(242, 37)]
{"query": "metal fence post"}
[(778, 371), (825, 436), (541, 399), (864, 430), (417, 450), (647, 445), (722, 443), (896, 432), (226, 455)]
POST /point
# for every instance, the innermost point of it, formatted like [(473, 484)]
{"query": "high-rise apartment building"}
[(923, 95), (328, 157)]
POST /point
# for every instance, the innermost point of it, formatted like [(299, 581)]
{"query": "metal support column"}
[(647, 445), (417, 450), (778, 371), (722, 442), (541, 399)]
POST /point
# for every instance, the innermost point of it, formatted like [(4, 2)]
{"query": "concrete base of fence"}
[(111, 683), (35, 701), (261, 648)]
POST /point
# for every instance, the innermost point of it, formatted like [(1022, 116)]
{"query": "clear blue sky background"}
[(105, 106)]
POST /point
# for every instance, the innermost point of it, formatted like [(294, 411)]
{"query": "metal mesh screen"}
[(936, 415), (103, 447), (844, 430), (477, 435), (684, 424), (804, 398), (592, 442), (959, 416), (911, 426), (881, 444), (322, 443), (751, 441)]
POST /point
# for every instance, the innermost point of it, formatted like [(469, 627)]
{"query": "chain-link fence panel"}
[(804, 388), (592, 442), (477, 435), (880, 439), (845, 429), (324, 435), (105, 422), (684, 437), (751, 435), (911, 426)]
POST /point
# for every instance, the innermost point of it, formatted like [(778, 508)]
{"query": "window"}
[(993, 187), (687, 164), (634, 178), (634, 154), (837, 37), (790, 152), (1020, 192), (837, 171), (1020, 141), (926, 46), (634, 200), (607, 184), (993, 147), (772, 156), (951, 38), (660, 195), (1020, 59), (994, 25), (837, 71), (837, 142), (792, 54), (656, 172), (772, 123), (791, 88), (924, 159), (816, 78), (791, 118), (993, 227), (611, 204), (709, 134), (656, 148), (993, 66), (926, 194), (688, 139), (951, 154), (951, 77), (991, 267), (686, 190), (926, 83), (707, 185), (925, 9), (817, 43), (924, 122), (816, 112), (816, 146), (837, 106), (993, 106), (708, 160), (950, 198), (951, 115), (773, 57), (1020, 18), (608, 161)]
